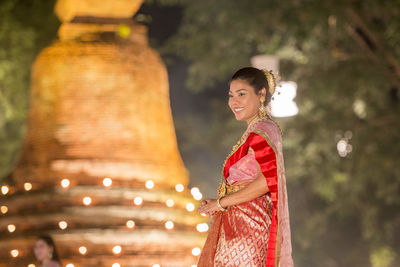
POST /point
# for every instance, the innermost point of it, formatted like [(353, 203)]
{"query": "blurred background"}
[(341, 147)]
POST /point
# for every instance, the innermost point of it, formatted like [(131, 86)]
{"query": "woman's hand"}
[(208, 207)]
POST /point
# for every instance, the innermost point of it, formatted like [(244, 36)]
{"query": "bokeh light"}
[(138, 201), (65, 183), (87, 201), (4, 209), (63, 225), (107, 182), (130, 224), (170, 203), (179, 188), (11, 228), (27, 186), (169, 225), (149, 184), (14, 253), (196, 251), (117, 249), (82, 250)]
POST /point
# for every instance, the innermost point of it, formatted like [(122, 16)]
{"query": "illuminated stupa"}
[(99, 166)]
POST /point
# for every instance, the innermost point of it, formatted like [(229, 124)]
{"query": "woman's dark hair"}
[(255, 78), (50, 242)]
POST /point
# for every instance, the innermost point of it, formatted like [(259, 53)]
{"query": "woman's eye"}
[(230, 96), (242, 94)]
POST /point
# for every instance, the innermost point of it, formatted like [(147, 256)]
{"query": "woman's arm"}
[(255, 189)]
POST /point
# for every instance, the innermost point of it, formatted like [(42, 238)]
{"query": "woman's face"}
[(243, 100), (42, 250)]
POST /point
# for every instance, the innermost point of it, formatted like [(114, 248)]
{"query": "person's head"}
[(45, 249), (248, 90)]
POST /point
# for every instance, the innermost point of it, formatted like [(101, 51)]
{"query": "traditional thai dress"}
[(257, 232)]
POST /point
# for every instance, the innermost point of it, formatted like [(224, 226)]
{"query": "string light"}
[(11, 228), (65, 183), (149, 184), (196, 251), (202, 227), (117, 249), (82, 250), (190, 207), (31, 265), (4, 190), (170, 203), (14, 253), (63, 225), (194, 265), (130, 224), (169, 225), (156, 265), (107, 182), (138, 201), (179, 188), (116, 265), (27, 186), (4, 209), (69, 265), (196, 193), (87, 201)]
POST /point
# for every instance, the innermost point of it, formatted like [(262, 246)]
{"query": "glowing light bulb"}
[(31, 265), (11, 228), (116, 265), (149, 184), (194, 190), (179, 188), (130, 224), (196, 251), (194, 265), (65, 183), (190, 207), (156, 265), (107, 182), (169, 225), (82, 250), (69, 265), (170, 203), (4, 209), (4, 189), (14, 253), (63, 225), (202, 227), (138, 201), (27, 186), (117, 249), (87, 201)]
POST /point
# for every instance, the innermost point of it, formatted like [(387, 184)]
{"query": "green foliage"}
[(25, 27), (341, 54)]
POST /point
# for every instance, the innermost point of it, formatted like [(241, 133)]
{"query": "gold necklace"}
[(222, 185)]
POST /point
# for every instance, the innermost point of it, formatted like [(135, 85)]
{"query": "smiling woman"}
[(250, 216)]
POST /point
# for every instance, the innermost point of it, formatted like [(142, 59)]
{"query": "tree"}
[(345, 58), (25, 28)]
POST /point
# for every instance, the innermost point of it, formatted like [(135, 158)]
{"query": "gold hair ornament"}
[(272, 81)]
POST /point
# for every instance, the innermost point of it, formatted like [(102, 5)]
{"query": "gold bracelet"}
[(219, 205)]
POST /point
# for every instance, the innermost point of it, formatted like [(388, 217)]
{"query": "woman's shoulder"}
[(267, 126)]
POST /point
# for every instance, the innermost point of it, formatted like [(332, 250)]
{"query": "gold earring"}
[(262, 111)]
